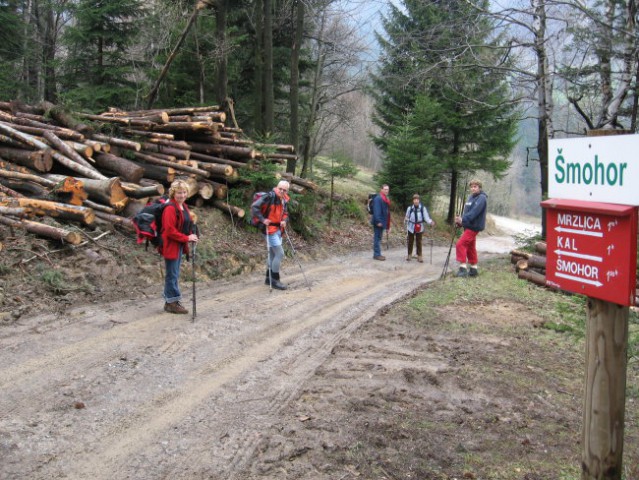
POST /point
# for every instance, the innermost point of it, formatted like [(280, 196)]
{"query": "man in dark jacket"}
[(380, 220), (474, 221)]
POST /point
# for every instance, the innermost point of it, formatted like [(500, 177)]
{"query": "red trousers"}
[(466, 248)]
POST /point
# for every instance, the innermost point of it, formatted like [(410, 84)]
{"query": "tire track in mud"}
[(233, 370)]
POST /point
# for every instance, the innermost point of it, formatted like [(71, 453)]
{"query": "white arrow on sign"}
[(579, 232), (579, 279), (579, 255)]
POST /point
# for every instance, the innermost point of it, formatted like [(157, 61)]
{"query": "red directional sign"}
[(592, 249)]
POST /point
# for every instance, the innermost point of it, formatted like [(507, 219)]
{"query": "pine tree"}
[(98, 70), (412, 165), (433, 52)]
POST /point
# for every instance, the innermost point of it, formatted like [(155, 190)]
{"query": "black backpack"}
[(369, 203), (148, 222)]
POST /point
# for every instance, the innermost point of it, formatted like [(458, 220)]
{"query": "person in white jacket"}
[(414, 221)]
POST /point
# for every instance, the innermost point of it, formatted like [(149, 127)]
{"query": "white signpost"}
[(590, 179), (595, 169)]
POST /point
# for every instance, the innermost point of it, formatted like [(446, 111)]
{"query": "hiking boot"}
[(276, 284), (175, 307), (379, 257), (462, 272), (408, 258), (473, 272), (419, 259)]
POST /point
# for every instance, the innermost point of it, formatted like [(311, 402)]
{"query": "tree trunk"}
[(74, 238), (229, 209), (533, 277), (63, 186), (108, 191), (258, 115), (53, 209), (138, 192), (291, 164), (176, 165), (70, 153), (126, 169), (269, 99), (38, 160), (201, 4), (221, 86)]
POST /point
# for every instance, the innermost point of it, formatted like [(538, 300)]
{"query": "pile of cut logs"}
[(103, 168), (532, 266)]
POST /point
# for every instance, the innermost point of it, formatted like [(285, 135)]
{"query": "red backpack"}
[(265, 208)]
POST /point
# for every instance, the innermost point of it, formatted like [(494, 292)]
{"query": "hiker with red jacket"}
[(176, 235), (271, 210), (380, 220)]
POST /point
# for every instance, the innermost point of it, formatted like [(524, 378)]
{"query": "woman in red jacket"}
[(176, 235)]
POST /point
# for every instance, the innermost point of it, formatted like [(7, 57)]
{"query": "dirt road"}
[(125, 390)]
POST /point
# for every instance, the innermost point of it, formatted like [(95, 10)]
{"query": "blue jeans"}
[(378, 233), (171, 288), (275, 251)]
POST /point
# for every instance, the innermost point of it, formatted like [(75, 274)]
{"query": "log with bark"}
[(116, 220), (534, 261), (533, 277), (300, 181), (38, 160), (74, 238), (126, 169), (64, 211), (228, 209), (154, 160), (133, 190), (231, 152), (540, 247), (69, 187), (107, 191)]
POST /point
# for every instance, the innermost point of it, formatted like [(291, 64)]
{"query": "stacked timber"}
[(531, 266), (89, 168)]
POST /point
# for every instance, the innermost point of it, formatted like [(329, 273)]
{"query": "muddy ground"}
[(340, 377)]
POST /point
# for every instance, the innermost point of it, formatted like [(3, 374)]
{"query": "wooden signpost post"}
[(592, 250)]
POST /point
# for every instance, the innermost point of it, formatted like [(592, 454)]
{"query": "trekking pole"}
[(297, 259), (450, 249), (268, 260), (459, 206), (194, 245), (193, 273)]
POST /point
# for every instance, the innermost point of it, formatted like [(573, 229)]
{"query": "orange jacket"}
[(277, 210)]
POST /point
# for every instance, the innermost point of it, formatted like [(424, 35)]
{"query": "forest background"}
[(426, 93)]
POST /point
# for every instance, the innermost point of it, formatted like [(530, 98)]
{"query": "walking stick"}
[(460, 204), (268, 260), (193, 273), (194, 245), (297, 259)]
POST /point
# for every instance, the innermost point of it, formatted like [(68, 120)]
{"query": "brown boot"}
[(175, 307), (419, 259)]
